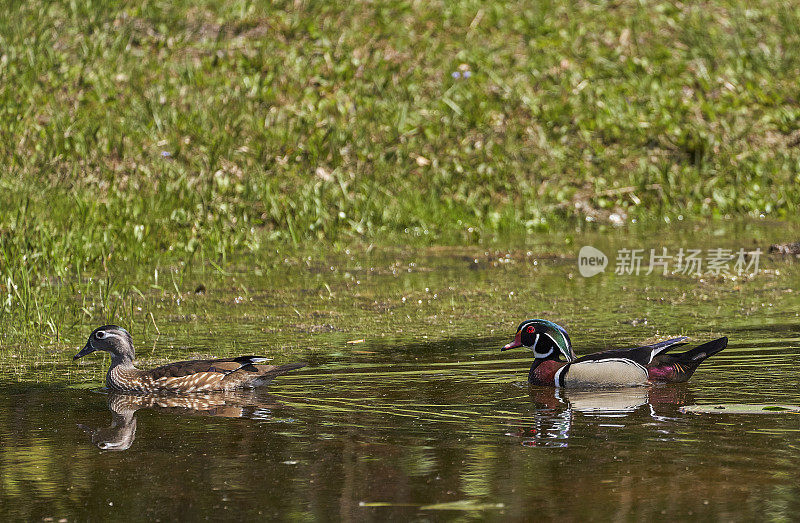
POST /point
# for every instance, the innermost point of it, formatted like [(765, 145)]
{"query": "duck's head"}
[(112, 339), (546, 339)]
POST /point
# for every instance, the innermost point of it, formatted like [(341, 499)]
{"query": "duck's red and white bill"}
[(514, 344)]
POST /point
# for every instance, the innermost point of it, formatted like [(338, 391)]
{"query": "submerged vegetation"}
[(166, 133)]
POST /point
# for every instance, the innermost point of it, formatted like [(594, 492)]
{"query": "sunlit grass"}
[(168, 135)]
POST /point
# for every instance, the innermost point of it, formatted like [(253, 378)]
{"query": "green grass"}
[(151, 133)]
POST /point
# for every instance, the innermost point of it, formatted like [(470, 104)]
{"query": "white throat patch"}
[(540, 354)]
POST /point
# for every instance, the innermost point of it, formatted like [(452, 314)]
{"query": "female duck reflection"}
[(556, 409), (122, 431)]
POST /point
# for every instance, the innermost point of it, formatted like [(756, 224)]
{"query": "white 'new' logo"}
[(591, 261)]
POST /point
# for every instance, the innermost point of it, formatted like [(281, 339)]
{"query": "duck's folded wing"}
[(667, 345), (641, 355), (223, 366)]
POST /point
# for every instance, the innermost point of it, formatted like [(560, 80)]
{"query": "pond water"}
[(407, 409)]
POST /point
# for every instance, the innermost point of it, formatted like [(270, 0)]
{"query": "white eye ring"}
[(100, 335)]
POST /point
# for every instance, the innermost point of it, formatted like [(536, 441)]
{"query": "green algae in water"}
[(739, 408), (463, 505)]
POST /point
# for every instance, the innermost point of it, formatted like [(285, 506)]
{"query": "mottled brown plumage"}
[(181, 376), (123, 406)]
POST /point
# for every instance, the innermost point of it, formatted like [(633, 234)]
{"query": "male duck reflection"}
[(612, 368), (556, 410), (181, 376)]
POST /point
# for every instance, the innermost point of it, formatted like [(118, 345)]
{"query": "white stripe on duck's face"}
[(541, 355), (541, 343), (103, 335)]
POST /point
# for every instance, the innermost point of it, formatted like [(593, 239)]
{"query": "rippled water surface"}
[(407, 409)]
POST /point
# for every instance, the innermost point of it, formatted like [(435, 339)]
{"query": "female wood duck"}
[(123, 406), (611, 368), (182, 376)]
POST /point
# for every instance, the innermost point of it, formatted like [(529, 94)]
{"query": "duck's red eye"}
[(531, 329)]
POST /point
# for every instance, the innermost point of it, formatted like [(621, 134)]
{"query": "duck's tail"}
[(677, 368), (271, 374)]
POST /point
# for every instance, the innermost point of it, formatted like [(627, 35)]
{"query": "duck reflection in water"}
[(122, 431), (556, 409)]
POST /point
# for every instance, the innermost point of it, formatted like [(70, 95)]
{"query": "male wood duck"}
[(181, 376), (611, 368)]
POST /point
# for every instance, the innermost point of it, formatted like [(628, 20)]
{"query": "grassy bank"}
[(167, 132)]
